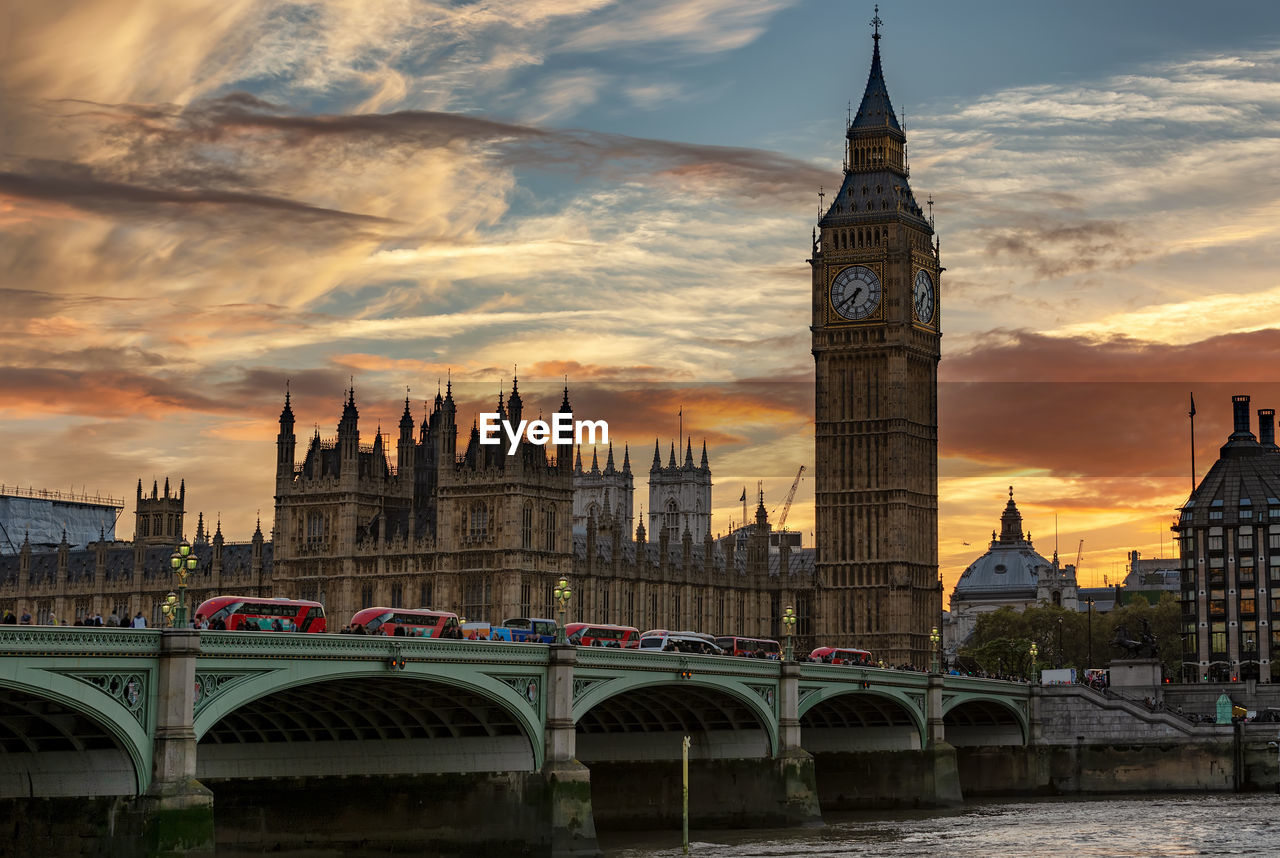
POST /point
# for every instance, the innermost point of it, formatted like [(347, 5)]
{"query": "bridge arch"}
[(720, 714), (58, 729), (980, 719), (429, 717), (841, 718)]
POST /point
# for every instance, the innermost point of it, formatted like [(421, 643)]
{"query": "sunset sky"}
[(201, 200)]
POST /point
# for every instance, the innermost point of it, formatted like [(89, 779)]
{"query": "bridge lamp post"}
[(1035, 652), (562, 594), (169, 608), (1089, 601), (934, 640), (183, 562), (789, 624)]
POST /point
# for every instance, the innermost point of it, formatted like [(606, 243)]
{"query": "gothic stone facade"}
[(125, 578), (488, 535)]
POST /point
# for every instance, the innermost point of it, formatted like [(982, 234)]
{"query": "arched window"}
[(526, 526), (671, 521), (549, 535), (1057, 598), (479, 521)]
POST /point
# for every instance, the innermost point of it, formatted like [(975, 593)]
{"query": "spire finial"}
[(286, 391), (1010, 492), (876, 22)]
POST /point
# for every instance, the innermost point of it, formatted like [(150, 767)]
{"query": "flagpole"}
[(1192, 415)]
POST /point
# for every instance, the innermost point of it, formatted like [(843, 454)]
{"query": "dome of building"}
[(1010, 568)]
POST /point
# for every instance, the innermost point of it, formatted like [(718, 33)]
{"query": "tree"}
[(1062, 636)]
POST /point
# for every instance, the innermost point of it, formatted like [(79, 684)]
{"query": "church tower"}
[(876, 345)]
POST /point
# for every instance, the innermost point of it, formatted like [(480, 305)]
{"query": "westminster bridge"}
[(134, 735)]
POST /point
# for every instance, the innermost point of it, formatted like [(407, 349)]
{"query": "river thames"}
[(1149, 825)]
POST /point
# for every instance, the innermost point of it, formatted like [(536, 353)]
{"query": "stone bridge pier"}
[(177, 810)]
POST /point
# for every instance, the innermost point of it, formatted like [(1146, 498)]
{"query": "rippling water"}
[(1118, 826)]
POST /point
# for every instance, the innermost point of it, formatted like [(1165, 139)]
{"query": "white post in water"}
[(685, 754), (1276, 745)]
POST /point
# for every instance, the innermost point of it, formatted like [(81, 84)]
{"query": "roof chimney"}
[(1240, 404), (1267, 428)]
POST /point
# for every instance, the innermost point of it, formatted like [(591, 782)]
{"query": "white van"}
[(680, 642)]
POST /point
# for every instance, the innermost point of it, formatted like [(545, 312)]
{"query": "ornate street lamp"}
[(789, 623), (934, 640), (183, 563), (562, 594), (1090, 601), (169, 608), (1035, 652)]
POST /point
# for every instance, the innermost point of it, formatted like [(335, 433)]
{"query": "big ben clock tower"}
[(876, 344)]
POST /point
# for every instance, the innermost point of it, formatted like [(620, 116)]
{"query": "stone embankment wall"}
[(1085, 742)]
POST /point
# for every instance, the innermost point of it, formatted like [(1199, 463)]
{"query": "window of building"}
[(526, 528), (1218, 638), (671, 520), (397, 595), (476, 593), (479, 521), (1188, 603), (1245, 540), (426, 594), (526, 594), (1249, 642), (366, 596), (604, 601), (1215, 543), (315, 528), (549, 537), (1248, 605), (1189, 638)]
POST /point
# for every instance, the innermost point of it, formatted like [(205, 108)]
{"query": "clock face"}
[(855, 293), (922, 297)]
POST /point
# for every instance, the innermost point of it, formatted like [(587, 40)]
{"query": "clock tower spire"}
[(876, 345)]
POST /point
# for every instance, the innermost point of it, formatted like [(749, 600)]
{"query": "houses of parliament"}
[(469, 528)]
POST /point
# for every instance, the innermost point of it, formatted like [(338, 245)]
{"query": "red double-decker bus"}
[(749, 647), (415, 623), (250, 613), (843, 655), (602, 634)]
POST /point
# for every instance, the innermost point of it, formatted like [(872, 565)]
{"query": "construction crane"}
[(1079, 554), (791, 495)]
